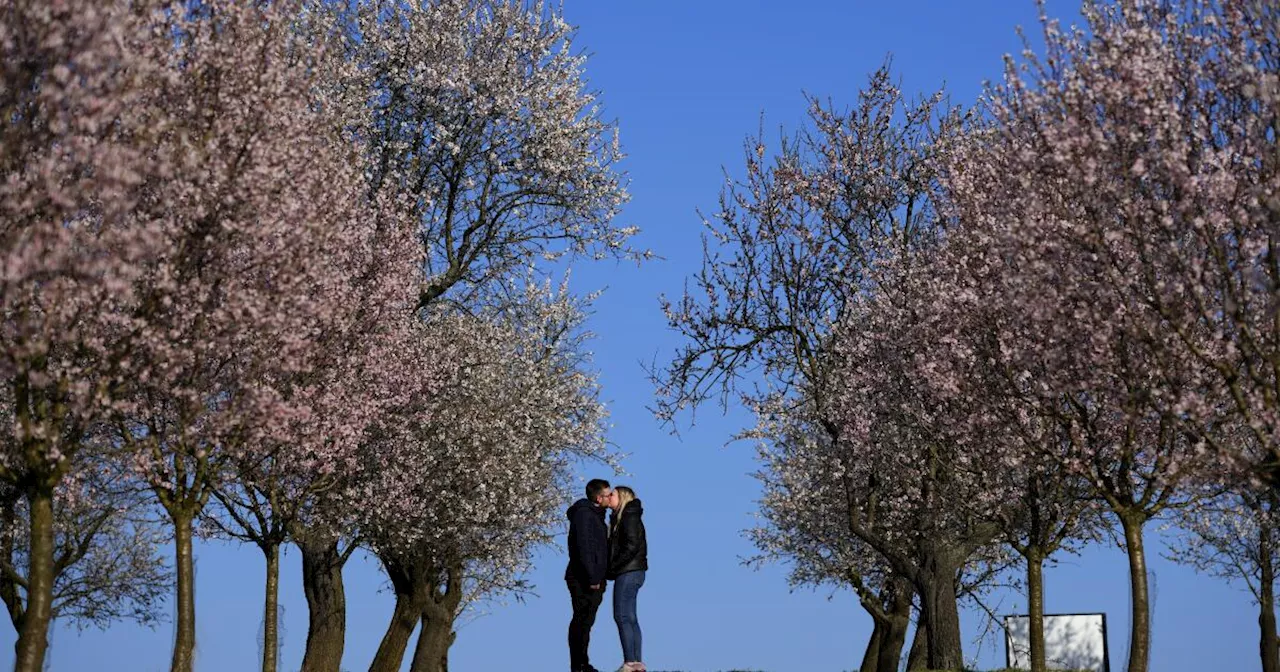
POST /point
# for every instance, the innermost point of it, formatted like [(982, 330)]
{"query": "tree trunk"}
[(1035, 608), (326, 602), (895, 631), (1267, 643), (184, 644), (941, 614), (918, 657), (1140, 605), (871, 657), (33, 637), (438, 614), (410, 601), (432, 651), (14, 601), (391, 651), (270, 609)]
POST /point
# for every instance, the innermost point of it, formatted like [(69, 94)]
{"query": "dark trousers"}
[(585, 603)]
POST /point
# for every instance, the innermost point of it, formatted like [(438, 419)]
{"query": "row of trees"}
[(276, 272), (1001, 333)]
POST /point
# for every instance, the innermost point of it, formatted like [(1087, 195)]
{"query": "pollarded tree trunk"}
[(438, 615), (270, 609), (871, 657), (918, 657), (1035, 607), (432, 651), (322, 564), (896, 624), (411, 597), (396, 640), (1268, 646), (890, 611), (941, 613), (1140, 632), (33, 637), (184, 644)]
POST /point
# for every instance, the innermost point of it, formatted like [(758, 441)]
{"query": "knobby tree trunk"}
[(1267, 642), (918, 658), (33, 637), (871, 657), (438, 615), (890, 611), (1035, 607), (184, 644), (896, 625), (411, 599), (270, 609), (941, 613), (1140, 632), (432, 651), (322, 564)]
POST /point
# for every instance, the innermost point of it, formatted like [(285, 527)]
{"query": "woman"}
[(628, 560)]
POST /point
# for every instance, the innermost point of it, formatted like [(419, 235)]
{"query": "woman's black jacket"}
[(628, 549)]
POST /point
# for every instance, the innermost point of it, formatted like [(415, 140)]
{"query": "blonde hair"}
[(625, 496)]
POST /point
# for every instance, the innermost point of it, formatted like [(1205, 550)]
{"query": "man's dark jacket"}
[(588, 543), (628, 548)]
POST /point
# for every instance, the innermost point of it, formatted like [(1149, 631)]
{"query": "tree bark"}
[(33, 637), (326, 601), (439, 611), (432, 651), (895, 630), (270, 609), (871, 657), (410, 602), (918, 657), (941, 614), (396, 640), (14, 601), (184, 644), (1140, 629), (1268, 646), (1035, 607)]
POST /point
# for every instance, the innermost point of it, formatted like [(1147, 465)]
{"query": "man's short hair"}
[(596, 486)]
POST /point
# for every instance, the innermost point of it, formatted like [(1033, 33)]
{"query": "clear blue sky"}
[(687, 81)]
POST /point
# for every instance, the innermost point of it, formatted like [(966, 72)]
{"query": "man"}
[(588, 560)]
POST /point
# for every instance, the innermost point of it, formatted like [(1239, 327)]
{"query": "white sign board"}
[(1071, 642)]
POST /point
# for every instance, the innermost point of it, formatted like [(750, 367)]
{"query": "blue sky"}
[(687, 81)]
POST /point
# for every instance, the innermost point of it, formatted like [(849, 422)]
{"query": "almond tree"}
[(1164, 115), (472, 476), (789, 248), (476, 113), (917, 488), (979, 333), (1058, 194), (798, 527), (1232, 533), (354, 372), (106, 562), (254, 217), (74, 139)]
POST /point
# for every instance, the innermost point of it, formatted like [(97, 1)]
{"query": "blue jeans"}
[(625, 590)]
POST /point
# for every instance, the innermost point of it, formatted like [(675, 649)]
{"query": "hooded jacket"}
[(588, 543), (628, 547)]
